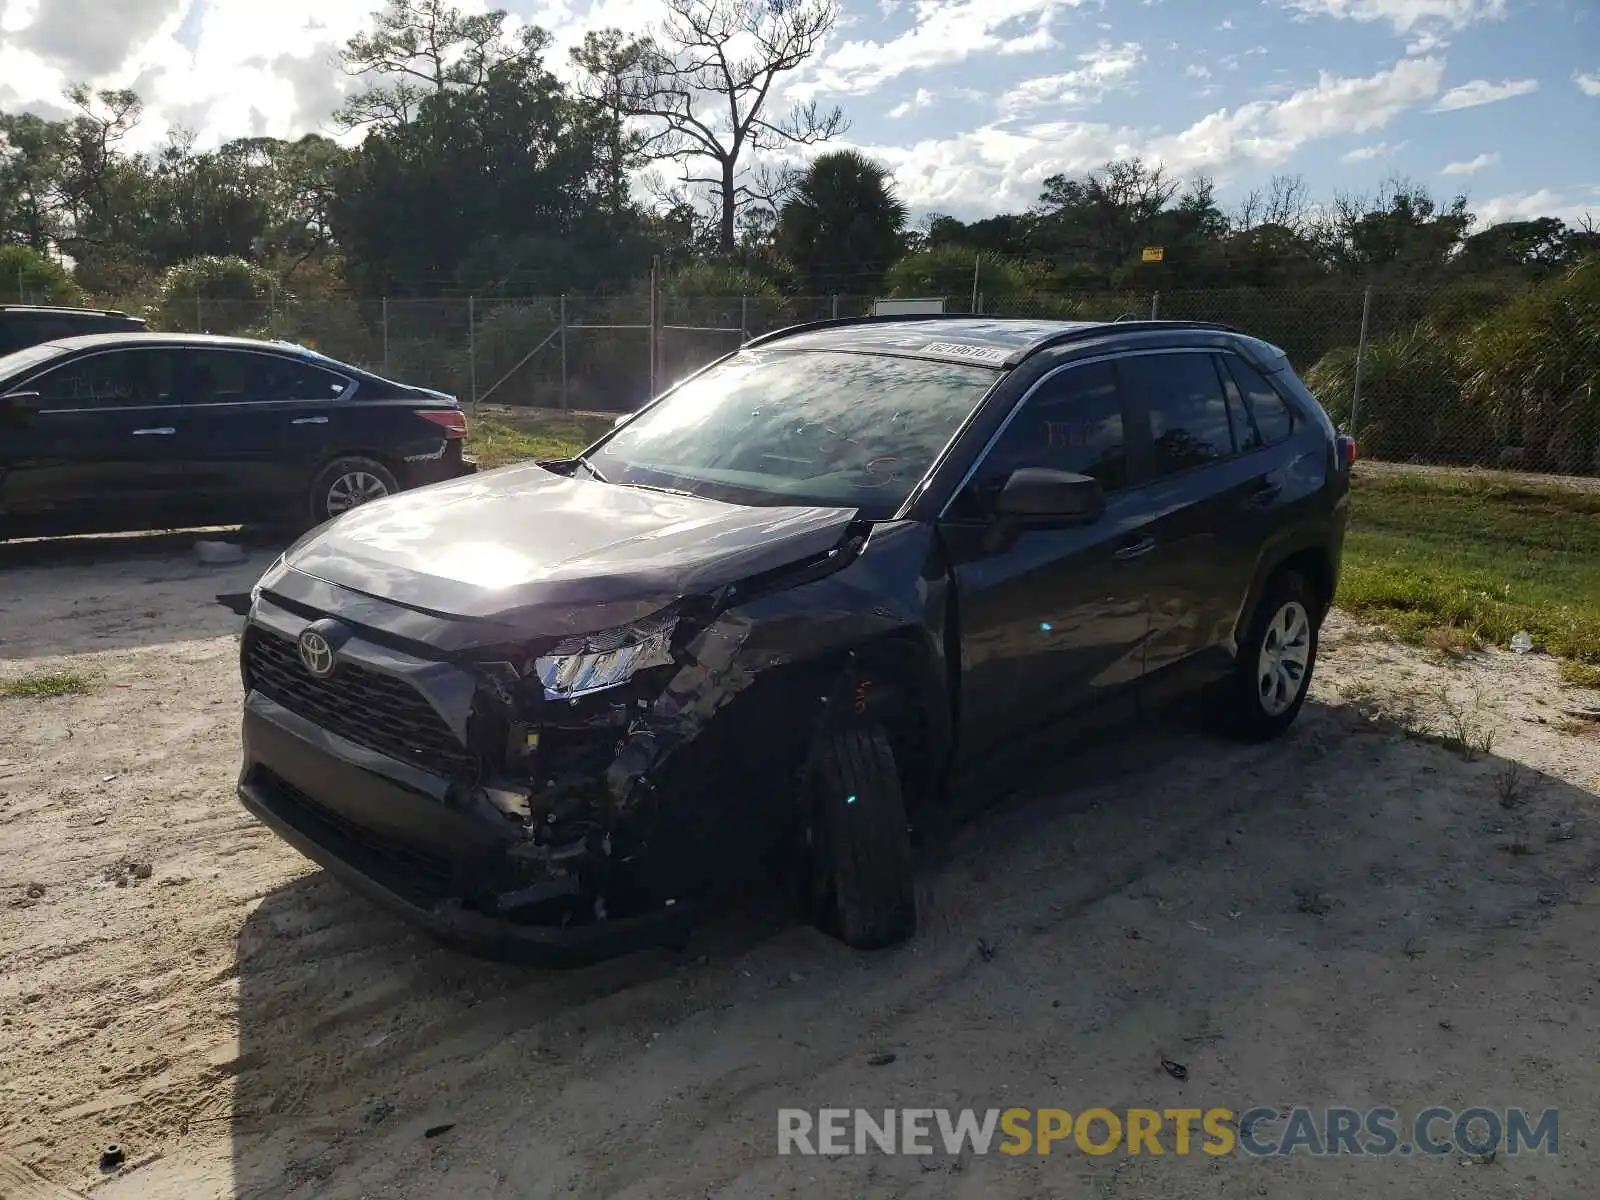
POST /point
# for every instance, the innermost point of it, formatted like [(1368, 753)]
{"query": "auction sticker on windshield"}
[(983, 354)]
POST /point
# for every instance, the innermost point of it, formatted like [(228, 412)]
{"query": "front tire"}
[(1276, 659), (861, 841), (348, 483)]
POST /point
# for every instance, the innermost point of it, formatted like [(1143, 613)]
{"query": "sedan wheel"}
[(352, 489)]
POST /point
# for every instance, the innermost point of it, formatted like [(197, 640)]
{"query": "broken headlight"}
[(602, 660)]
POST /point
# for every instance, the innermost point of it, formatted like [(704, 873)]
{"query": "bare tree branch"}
[(701, 84)]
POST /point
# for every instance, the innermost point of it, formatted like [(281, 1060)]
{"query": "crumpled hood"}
[(554, 555)]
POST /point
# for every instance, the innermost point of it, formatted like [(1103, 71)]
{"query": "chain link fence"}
[(1475, 374)]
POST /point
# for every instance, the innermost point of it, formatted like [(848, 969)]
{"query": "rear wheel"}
[(348, 483), (864, 890), (1276, 658)]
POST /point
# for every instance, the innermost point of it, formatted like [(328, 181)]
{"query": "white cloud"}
[(1477, 163), (1524, 206), (1000, 167), (1589, 85), (919, 99), (1196, 71), (1104, 68), (1267, 132), (1368, 153), (943, 32), (1224, 26), (1404, 15), (1481, 91), (1427, 42), (995, 169)]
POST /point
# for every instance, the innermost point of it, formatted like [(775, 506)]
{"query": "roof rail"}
[(65, 308), (1088, 330), (870, 319)]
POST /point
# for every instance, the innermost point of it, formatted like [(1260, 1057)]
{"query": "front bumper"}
[(387, 830)]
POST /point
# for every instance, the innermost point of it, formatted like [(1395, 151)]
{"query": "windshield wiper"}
[(589, 467), (656, 487)]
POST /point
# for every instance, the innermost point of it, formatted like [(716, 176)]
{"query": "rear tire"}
[(1276, 659), (347, 483), (861, 851)]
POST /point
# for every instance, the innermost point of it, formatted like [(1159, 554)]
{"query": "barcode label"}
[(985, 354)]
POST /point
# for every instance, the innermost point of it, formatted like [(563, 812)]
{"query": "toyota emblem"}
[(316, 653)]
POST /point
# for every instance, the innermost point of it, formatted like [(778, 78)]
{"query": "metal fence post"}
[(977, 263), (833, 311), (386, 335), (563, 350), (744, 319), (655, 321), (199, 312), (472, 349), (1361, 353), (1155, 306)]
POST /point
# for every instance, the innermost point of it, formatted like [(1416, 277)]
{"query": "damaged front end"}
[(574, 793)]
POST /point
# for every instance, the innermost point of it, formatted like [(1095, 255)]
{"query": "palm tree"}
[(842, 225)]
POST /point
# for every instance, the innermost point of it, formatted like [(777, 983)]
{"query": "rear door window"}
[(1269, 412), (285, 379), (1188, 411), (245, 377)]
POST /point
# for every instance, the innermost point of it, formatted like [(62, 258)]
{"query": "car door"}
[(1201, 496), (257, 426), (99, 452), (1053, 623)]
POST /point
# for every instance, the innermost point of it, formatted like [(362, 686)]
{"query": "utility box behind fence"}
[(932, 307)]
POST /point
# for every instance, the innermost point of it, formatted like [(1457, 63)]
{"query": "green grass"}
[(40, 684), (1445, 560), (515, 437), (1436, 556)]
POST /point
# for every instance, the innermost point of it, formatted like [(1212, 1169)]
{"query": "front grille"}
[(414, 866), (372, 710)]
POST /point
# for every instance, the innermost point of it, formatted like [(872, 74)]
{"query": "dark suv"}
[(134, 431), (23, 325), (780, 611)]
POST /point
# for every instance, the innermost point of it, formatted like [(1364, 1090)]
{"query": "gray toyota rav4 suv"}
[(779, 613)]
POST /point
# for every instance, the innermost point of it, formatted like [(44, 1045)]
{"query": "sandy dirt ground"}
[(1395, 905)]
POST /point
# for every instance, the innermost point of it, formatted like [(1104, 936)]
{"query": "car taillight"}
[(1347, 451), (452, 420)]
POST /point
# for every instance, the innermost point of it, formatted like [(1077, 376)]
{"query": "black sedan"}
[(128, 431)]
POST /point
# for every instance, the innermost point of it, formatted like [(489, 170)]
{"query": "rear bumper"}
[(385, 829), (452, 464)]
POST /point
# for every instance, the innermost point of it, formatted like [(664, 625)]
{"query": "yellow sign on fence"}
[(1153, 254)]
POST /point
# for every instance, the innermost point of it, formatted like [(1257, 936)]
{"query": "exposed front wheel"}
[(1276, 658), (861, 843), (348, 483)]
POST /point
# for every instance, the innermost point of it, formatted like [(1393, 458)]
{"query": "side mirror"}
[(17, 407), (1036, 495), (623, 417)]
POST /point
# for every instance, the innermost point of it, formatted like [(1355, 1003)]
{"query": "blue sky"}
[(974, 103)]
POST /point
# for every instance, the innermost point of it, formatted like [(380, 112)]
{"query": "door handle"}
[(161, 432), (1135, 549), (1265, 494), (309, 421)]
